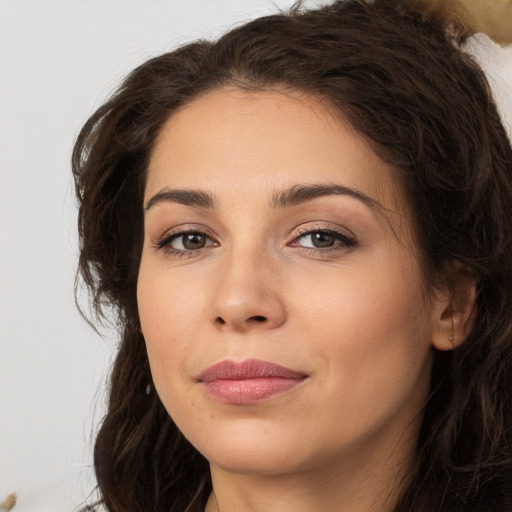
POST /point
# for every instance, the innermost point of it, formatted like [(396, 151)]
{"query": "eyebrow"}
[(299, 194), (293, 196), (196, 198)]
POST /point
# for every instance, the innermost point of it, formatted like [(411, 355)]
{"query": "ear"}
[(454, 310)]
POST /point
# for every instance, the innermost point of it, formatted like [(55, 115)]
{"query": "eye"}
[(189, 241), (325, 239), (185, 242), (320, 240)]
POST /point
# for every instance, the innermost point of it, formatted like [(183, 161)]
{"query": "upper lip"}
[(248, 369)]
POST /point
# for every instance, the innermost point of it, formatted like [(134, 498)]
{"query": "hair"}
[(394, 69)]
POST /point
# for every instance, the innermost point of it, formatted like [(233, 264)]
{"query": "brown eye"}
[(321, 240), (191, 241), (324, 239), (185, 242)]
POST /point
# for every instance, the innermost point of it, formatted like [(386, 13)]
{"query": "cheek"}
[(160, 308), (371, 329), (172, 311), (370, 300), (168, 304)]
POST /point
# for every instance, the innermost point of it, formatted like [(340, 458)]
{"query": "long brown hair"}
[(395, 70)]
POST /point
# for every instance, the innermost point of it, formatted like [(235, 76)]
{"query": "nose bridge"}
[(248, 295)]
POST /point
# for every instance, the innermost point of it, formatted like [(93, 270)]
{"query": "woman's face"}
[(283, 308)]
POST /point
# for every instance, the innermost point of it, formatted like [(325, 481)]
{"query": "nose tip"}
[(242, 305)]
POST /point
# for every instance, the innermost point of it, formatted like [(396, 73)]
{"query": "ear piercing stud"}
[(452, 335)]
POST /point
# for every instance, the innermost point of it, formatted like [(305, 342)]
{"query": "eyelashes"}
[(193, 241), (323, 239), (185, 242)]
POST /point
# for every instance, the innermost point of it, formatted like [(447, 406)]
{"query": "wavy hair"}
[(395, 70)]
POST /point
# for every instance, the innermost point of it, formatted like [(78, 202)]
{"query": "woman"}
[(304, 231)]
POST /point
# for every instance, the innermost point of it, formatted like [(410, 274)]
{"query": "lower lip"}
[(248, 391)]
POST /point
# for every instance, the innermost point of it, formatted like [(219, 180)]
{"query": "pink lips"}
[(248, 382)]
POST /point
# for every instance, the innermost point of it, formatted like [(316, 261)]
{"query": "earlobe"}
[(455, 315), (449, 334)]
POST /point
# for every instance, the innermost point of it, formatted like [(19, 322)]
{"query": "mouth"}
[(248, 382)]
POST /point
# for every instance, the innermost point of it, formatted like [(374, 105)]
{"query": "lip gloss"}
[(248, 382)]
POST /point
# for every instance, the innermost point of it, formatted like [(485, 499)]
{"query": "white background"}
[(58, 61)]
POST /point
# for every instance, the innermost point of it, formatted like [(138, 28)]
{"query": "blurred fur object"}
[(9, 503), (493, 17)]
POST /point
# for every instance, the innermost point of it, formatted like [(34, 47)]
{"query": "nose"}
[(248, 294)]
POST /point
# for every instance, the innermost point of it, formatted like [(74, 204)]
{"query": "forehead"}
[(234, 141)]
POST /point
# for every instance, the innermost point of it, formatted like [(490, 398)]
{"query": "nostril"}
[(258, 318)]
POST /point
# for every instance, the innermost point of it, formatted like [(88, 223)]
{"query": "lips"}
[(248, 382)]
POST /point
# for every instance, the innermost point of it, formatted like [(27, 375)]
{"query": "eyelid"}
[(348, 238), (308, 228)]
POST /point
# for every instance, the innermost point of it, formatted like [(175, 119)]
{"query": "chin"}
[(252, 447), (257, 461)]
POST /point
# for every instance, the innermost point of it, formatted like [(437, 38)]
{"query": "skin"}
[(355, 317)]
